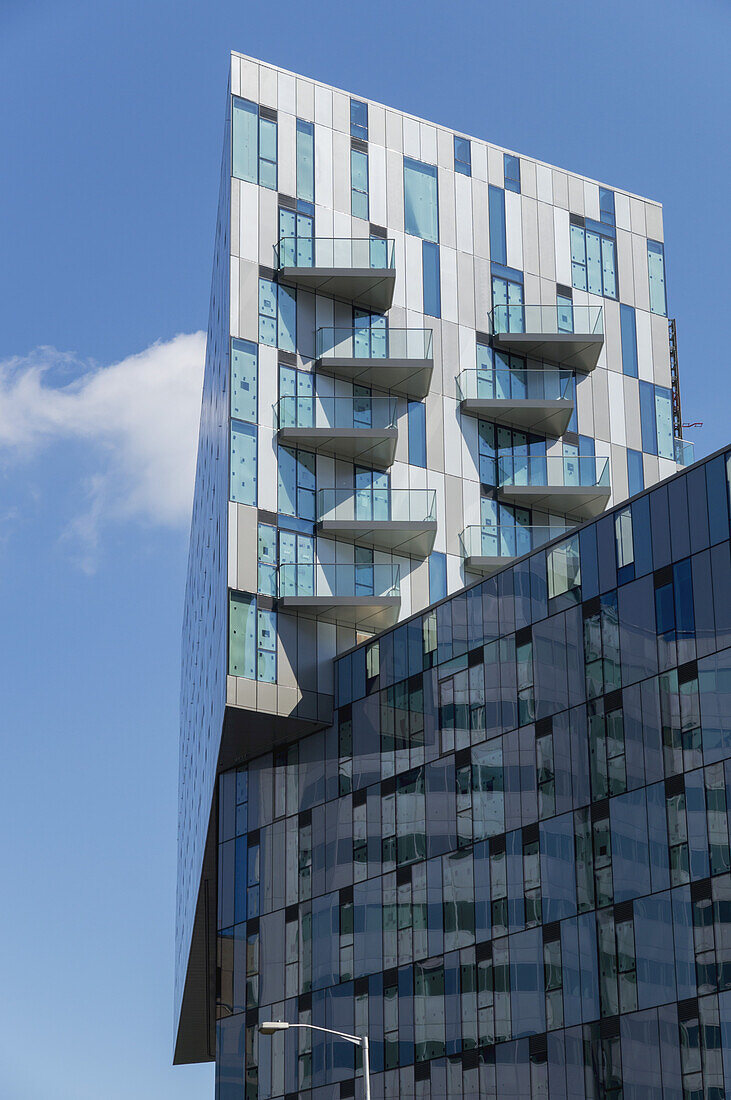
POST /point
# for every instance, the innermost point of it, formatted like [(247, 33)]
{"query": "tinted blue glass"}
[(629, 340), (511, 172), (647, 418), (432, 279), (635, 472), (606, 205), (417, 433), (462, 156), (359, 119), (498, 238), (437, 576), (421, 207)]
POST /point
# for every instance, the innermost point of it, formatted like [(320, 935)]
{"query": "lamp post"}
[(272, 1026)]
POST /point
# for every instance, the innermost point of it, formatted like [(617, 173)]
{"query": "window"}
[(421, 205), (511, 171), (295, 239), (507, 302), (498, 236), (359, 184), (437, 576), (372, 496), (243, 463), (564, 567), (359, 119), (635, 473), (252, 639), (624, 542), (656, 418), (244, 380), (606, 206), (656, 271), (296, 483), (462, 156), (628, 325), (431, 276), (593, 259), (417, 433), (297, 554), (267, 559), (296, 388), (305, 161), (254, 145), (277, 315)]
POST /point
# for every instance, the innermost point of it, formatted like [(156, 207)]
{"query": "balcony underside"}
[(410, 377), (363, 286), (574, 501), (544, 416), (415, 537), (364, 612), (479, 563), (575, 350), (374, 446)]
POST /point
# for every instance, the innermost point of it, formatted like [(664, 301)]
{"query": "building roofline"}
[(450, 129)]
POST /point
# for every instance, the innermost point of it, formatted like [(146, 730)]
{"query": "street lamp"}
[(272, 1026)]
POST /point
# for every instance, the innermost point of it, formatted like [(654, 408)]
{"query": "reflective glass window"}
[(462, 156), (656, 270), (421, 208)]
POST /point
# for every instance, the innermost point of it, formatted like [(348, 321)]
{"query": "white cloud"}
[(139, 418)]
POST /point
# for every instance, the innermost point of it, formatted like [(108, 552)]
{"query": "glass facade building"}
[(455, 679)]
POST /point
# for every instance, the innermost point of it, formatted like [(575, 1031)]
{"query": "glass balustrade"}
[(335, 253), (557, 320), (502, 383), (684, 451), (557, 470), (349, 413), (346, 582), (374, 343), (379, 505), (503, 541)]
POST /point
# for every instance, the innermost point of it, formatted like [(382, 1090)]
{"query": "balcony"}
[(360, 270), (365, 596), (403, 520), (490, 547), (534, 400), (361, 429), (398, 359), (684, 451), (570, 335), (576, 487)]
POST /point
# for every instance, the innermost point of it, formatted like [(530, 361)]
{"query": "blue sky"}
[(111, 134)]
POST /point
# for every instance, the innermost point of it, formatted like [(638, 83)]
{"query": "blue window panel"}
[(714, 688), (684, 946), (359, 119), (724, 1013), (657, 829), (242, 635), (654, 951), (432, 278), (245, 140), (695, 809), (528, 1003), (417, 433), (437, 576), (498, 234), (630, 851), (628, 326), (244, 377), (462, 156), (268, 153), (359, 184), (635, 472), (664, 422), (511, 172), (243, 463), (648, 420), (588, 961), (421, 204), (305, 161), (558, 868), (606, 206), (656, 271)]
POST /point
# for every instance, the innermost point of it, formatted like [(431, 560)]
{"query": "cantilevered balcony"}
[(366, 596), (361, 429), (576, 487), (490, 547), (403, 520), (684, 451), (570, 335), (359, 269), (397, 359), (535, 400)]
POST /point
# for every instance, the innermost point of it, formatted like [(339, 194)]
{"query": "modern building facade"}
[(429, 361)]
